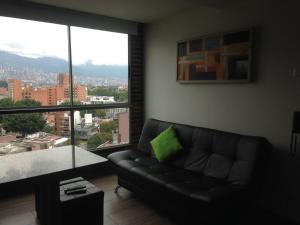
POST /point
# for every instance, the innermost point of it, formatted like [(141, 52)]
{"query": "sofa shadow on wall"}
[(281, 173), (281, 186)]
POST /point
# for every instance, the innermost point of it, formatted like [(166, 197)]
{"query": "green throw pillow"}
[(166, 145)]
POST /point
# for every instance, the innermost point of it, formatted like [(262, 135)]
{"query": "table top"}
[(32, 164)]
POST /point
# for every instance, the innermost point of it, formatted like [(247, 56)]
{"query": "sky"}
[(39, 39)]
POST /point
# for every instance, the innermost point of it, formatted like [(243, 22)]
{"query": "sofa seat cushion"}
[(188, 184), (130, 159), (209, 193)]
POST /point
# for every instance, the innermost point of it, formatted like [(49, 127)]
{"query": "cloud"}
[(15, 45)]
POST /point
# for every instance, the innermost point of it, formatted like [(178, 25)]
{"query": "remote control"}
[(76, 191), (75, 187)]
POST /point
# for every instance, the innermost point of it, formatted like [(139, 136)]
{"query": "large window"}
[(61, 85)]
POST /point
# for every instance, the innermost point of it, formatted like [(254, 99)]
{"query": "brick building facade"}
[(48, 96)]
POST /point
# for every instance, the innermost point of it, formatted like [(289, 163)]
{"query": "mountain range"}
[(56, 65)]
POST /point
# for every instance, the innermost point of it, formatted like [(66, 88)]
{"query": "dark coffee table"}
[(45, 169), (82, 208)]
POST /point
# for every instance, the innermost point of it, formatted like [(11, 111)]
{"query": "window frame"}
[(73, 107)]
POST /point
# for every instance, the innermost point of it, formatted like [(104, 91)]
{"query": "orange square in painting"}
[(200, 67), (237, 49), (211, 58)]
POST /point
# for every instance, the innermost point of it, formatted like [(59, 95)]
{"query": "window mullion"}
[(71, 95)]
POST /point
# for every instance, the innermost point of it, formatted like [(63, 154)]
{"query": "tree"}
[(102, 91), (5, 103), (48, 129), (77, 140), (120, 96), (98, 139), (105, 135), (108, 127), (26, 123), (27, 103), (96, 112)]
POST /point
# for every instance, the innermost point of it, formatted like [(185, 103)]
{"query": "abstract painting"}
[(225, 57)]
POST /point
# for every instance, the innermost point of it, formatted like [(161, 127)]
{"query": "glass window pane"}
[(100, 128), (100, 66), (33, 131), (33, 62)]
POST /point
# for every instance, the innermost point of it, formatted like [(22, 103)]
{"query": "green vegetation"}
[(77, 140), (27, 103), (26, 123), (68, 103), (98, 139), (120, 96), (108, 127), (105, 135), (98, 112), (102, 91), (48, 129), (5, 103)]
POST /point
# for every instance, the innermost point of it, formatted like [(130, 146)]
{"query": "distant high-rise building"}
[(37, 94), (80, 92), (40, 95), (88, 118), (26, 92), (14, 89), (52, 96), (62, 123), (63, 79), (77, 117), (123, 125)]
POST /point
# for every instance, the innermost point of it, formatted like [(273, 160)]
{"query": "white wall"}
[(263, 107)]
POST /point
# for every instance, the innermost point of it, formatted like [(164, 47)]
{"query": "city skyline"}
[(58, 93), (47, 96), (43, 71)]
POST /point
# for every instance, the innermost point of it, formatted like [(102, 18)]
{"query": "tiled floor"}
[(121, 209)]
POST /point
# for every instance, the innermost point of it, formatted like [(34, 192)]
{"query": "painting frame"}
[(224, 57)]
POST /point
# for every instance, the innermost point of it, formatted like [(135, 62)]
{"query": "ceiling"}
[(145, 11)]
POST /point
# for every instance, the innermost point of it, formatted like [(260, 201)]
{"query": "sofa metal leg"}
[(117, 188)]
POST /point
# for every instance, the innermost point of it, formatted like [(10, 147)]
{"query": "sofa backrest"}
[(226, 156)]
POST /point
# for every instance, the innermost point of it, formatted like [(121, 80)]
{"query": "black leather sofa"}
[(213, 180)]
